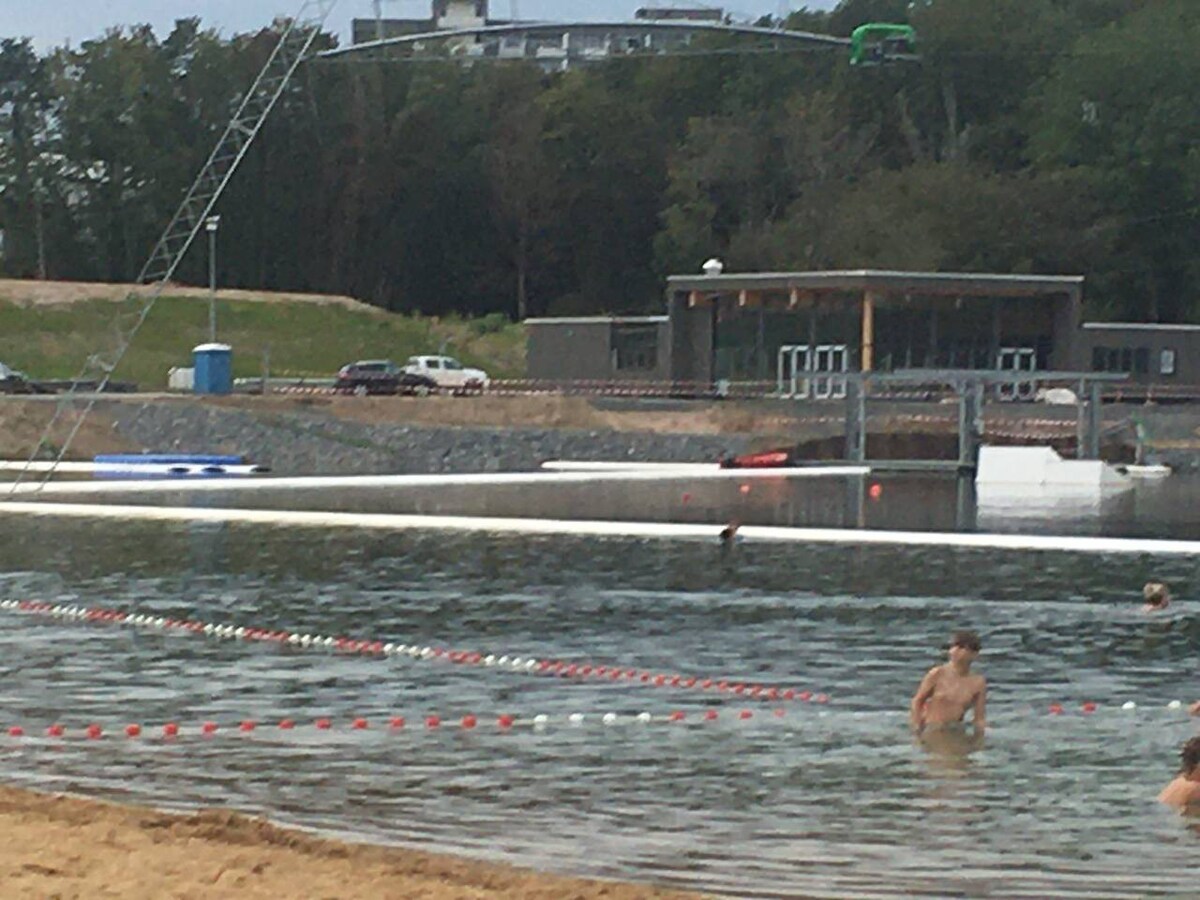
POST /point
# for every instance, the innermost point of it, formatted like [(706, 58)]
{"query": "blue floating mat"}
[(167, 459)]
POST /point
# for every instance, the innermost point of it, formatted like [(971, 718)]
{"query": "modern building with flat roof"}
[(1150, 353), (778, 326)]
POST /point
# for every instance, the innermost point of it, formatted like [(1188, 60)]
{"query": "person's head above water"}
[(964, 646), (1157, 595), (1189, 757)]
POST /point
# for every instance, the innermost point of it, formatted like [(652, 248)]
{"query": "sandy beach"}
[(68, 847)]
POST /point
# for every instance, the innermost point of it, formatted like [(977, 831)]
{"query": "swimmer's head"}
[(965, 645), (1156, 594), (1189, 756)]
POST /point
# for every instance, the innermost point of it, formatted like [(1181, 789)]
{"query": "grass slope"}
[(52, 340)]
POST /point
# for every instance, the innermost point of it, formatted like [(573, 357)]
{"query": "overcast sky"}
[(53, 22)]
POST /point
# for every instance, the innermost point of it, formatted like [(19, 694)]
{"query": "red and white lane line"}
[(432, 722), (723, 686), (1090, 707)]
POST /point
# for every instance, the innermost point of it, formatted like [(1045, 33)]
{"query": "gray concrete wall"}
[(691, 341), (568, 351)]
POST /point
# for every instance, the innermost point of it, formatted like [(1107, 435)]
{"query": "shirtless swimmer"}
[(948, 691)]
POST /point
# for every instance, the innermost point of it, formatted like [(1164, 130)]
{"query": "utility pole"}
[(211, 224)]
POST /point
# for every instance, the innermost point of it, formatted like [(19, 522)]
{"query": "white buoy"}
[(1128, 704), (540, 720), (644, 717), (575, 718), (1175, 704), (609, 719)]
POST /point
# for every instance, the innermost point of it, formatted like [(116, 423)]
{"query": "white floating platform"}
[(589, 528), (1042, 467), (569, 465), (343, 482), (1145, 472)]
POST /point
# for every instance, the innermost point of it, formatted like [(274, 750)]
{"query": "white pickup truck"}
[(448, 373)]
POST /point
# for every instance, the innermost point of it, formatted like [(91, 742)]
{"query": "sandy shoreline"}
[(70, 847)]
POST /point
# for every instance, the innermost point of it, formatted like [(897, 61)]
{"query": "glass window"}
[(1166, 362), (635, 347), (451, 364), (1099, 358), (1141, 360)]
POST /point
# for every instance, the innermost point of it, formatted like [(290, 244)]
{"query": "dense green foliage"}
[(1050, 136)]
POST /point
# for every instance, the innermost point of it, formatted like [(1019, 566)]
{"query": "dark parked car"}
[(381, 376), (14, 382)]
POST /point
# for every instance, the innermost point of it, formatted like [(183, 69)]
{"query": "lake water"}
[(832, 800)]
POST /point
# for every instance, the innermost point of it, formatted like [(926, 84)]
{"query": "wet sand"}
[(67, 847)]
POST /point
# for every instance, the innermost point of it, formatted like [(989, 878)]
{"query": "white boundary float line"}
[(385, 481), (593, 528), (531, 665), (72, 468), (569, 465)]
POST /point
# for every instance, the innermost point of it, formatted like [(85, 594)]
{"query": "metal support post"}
[(1095, 419), (970, 422), (856, 420), (211, 224)]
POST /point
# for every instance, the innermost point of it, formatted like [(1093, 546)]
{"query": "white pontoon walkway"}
[(653, 530), (706, 472)]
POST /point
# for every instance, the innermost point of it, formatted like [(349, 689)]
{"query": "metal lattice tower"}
[(295, 43)]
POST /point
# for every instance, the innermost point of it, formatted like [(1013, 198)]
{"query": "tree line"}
[(1046, 136)]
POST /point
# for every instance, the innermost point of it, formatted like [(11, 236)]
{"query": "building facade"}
[(554, 47), (1164, 355), (599, 348)]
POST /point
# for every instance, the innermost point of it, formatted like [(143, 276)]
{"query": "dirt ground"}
[(67, 847), (537, 411), (22, 421), (51, 293)]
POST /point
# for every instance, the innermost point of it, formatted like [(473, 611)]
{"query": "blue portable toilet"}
[(214, 369)]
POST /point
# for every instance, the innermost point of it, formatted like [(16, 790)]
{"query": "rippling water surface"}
[(827, 801)]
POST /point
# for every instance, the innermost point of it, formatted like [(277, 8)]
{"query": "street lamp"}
[(211, 224)]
